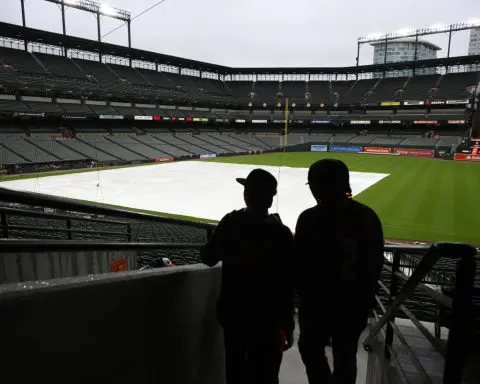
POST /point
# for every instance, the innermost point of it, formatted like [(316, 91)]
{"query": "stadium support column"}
[(24, 23), (416, 54), (64, 28), (358, 56), (449, 42), (99, 36), (129, 39), (385, 56)]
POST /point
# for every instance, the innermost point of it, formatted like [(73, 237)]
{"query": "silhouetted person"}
[(339, 250), (255, 306)]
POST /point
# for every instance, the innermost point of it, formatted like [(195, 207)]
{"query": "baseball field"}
[(421, 199)]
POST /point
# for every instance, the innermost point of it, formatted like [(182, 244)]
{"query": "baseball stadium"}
[(117, 163)]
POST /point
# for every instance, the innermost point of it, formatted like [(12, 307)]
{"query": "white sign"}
[(457, 101), (111, 117), (413, 102), (143, 117), (362, 122), (389, 122)]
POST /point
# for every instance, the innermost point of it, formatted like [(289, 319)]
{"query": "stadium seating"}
[(13, 106), (253, 141), (341, 138), (454, 86), (222, 144), (418, 142), (162, 146), (8, 157), (80, 109), (106, 145), (382, 140), (26, 150), (359, 91), (387, 89), (60, 66), (88, 151), (266, 92), (320, 137), (55, 147), (241, 91), (419, 87), (21, 61), (319, 92), (181, 144), (362, 139), (202, 145), (294, 91), (136, 146)]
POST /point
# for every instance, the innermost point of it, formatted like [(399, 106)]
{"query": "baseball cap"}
[(330, 175), (260, 181)]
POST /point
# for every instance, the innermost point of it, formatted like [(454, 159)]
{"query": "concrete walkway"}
[(293, 370)]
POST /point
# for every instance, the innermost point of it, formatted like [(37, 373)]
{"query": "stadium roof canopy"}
[(56, 39)]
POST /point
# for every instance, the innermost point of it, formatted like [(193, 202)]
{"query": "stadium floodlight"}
[(94, 7), (433, 29), (106, 10)]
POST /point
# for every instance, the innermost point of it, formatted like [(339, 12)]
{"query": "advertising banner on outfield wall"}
[(345, 148), (466, 157), (163, 159), (208, 155), (413, 152), (319, 148), (377, 150)]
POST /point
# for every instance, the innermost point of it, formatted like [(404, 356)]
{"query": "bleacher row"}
[(27, 223), (38, 71), (17, 149)]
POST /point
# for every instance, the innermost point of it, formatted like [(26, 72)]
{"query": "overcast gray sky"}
[(257, 32)]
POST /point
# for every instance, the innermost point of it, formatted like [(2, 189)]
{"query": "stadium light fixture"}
[(95, 7), (433, 29), (107, 10)]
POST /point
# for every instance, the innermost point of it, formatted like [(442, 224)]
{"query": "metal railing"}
[(460, 304)]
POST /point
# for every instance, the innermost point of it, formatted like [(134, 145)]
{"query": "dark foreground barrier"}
[(156, 326)]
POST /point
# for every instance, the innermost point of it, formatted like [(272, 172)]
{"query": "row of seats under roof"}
[(106, 76)]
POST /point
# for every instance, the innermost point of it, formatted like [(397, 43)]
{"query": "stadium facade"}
[(405, 50)]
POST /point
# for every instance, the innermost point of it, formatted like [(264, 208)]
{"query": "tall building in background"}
[(474, 47), (402, 50)]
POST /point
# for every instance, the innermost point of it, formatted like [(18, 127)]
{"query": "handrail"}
[(9, 246), (461, 304), (50, 201), (435, 252)]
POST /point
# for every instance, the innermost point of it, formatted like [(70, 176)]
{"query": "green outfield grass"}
[(422, 199)]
